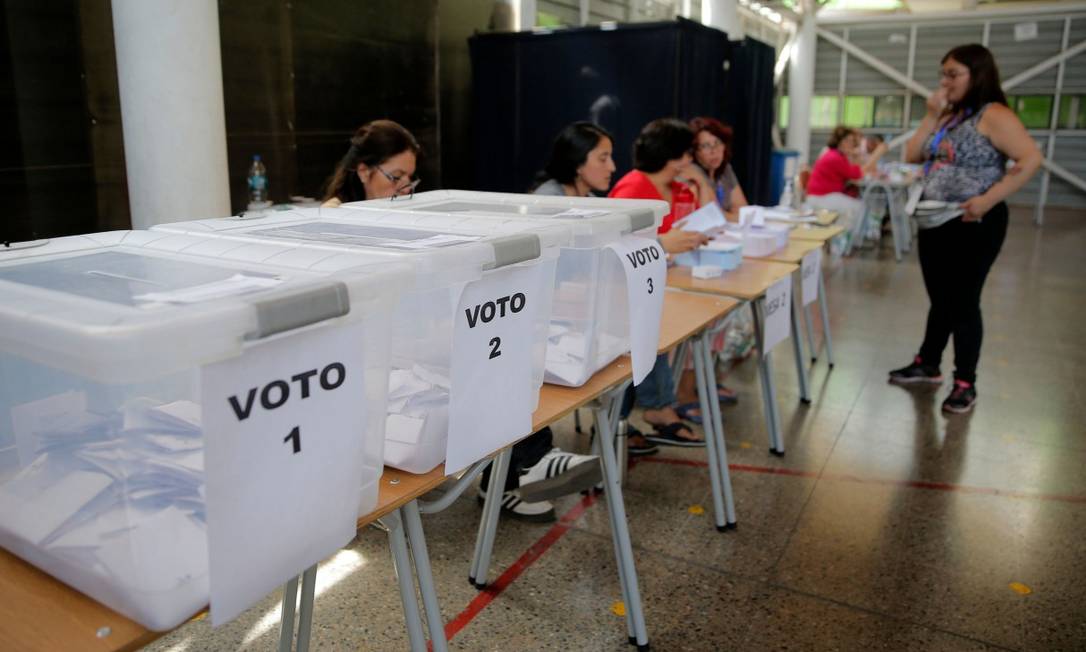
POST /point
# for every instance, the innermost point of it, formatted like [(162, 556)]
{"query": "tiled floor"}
[(894, 528)]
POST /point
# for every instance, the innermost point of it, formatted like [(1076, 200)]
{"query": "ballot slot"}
[(508, 265), (103, 426), (590, 323)]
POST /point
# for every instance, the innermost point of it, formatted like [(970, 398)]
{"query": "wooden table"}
[(748, 282), (819, 234), (42, 614)]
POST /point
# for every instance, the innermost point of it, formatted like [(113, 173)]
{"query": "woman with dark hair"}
[(379, 163), (662, 157), (829, 186), (580, 162), (964, 142), (713, 153)]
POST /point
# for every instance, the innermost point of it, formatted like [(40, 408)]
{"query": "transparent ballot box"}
[(471, 278), (107, 342), (590, 322)]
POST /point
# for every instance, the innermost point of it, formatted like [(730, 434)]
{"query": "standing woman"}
[(964, 142), (713, 153), (379, 163)]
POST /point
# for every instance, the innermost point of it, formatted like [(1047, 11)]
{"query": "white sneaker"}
[(540, 511), (558, 474)]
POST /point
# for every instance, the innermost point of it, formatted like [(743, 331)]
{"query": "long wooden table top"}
[(749, 281), (816, 233), (43, 614), (792, 253)]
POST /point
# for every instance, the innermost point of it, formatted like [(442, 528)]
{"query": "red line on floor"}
[(487, 595), (911, 484)]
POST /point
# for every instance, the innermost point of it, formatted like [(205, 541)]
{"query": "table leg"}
[(718, 426), (712, 440), (808, 330), (421, 557), (823, 308), (286, 617), (766, 377), (797, 351), (402, 565), (305, 613), (622, 580), (488, 526)]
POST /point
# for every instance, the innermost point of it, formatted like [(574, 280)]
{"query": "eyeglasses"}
[(951, 74), (710, 146), (407, 188)]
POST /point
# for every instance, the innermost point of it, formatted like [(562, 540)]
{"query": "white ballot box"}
[(144, 395), (590, 323), (470, 333)]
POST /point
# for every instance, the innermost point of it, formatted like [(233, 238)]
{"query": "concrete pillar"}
[(801, 88), (170, 74), (723, 15)]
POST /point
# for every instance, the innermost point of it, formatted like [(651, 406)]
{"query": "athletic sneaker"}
[(962, 398), (558, 474), (917, 372), (514, 506)]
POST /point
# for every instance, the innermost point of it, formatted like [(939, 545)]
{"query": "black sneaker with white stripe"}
[(559, 473), (514, 506)]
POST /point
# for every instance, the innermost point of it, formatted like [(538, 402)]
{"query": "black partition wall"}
[(527, 86)]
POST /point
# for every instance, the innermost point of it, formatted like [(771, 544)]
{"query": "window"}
[(1072, 112), (782, 112), (1035, 111), (824, 112), (889, 111), (858, 111)]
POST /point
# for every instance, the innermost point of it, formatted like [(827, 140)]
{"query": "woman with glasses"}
[(713, 153), (379, 163), (964, 142), (830, 185)]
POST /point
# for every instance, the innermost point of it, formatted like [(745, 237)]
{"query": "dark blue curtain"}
[(750, 112)]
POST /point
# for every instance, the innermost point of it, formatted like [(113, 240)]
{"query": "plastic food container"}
[(724, 252), (590, 323), (447, 255), (103, 342)]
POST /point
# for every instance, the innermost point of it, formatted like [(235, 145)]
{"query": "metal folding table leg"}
[(823, 308), (806, 318), (718, 426), (305, 612), (622, 580), (621, 532), (401, 563), (769, 398), (712, 440), (425, 575), (286, 618), (488, 526), (797, 351)]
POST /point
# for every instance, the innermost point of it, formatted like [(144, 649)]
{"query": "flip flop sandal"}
[(684, 412), (668, 435)]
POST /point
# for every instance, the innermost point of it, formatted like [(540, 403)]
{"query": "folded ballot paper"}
[(708, 219), (570, 359), (418, 418), (115, 501)]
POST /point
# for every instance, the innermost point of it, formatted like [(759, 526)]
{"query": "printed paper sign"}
[(809, 268), (283, 459), (491, 397), (645, 265), (778, 322)]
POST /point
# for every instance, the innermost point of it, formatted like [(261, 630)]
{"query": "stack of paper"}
[(418, 406), (567, 354)]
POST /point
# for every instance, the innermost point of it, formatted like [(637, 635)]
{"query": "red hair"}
[(717, 128)]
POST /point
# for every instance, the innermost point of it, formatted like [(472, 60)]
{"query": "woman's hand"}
[(677, 241), (975, 208), (937, 102), (699, 183)]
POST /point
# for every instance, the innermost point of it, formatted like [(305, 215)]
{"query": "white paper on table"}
[(706, 219), (778, 318), (751, 216), (490, 403), (272, 512), (645, 265), (809, 270), (31, 418)]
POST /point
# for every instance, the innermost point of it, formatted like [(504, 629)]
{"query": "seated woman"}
[(664, 170), (829, 186), (713, 153), (580, 163), (379, 163)]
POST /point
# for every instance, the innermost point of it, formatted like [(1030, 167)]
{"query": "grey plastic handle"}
[(512, 249), (642, 219), (297, 307)]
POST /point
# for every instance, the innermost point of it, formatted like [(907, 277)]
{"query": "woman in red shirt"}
[(663, 170), (829, 186)]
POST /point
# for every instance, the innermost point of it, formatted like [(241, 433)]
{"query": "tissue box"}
[(726, 254)]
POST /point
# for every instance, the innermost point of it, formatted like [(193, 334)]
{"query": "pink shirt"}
[(635, 185), (831, 173)]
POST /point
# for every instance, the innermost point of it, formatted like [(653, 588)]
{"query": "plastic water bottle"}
[(258, 182), (786, 195)]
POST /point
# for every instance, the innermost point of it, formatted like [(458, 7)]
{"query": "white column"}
[(170, 75), (801, 87), (723, 15)]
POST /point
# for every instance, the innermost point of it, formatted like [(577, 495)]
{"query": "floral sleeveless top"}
[(960, 161)]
